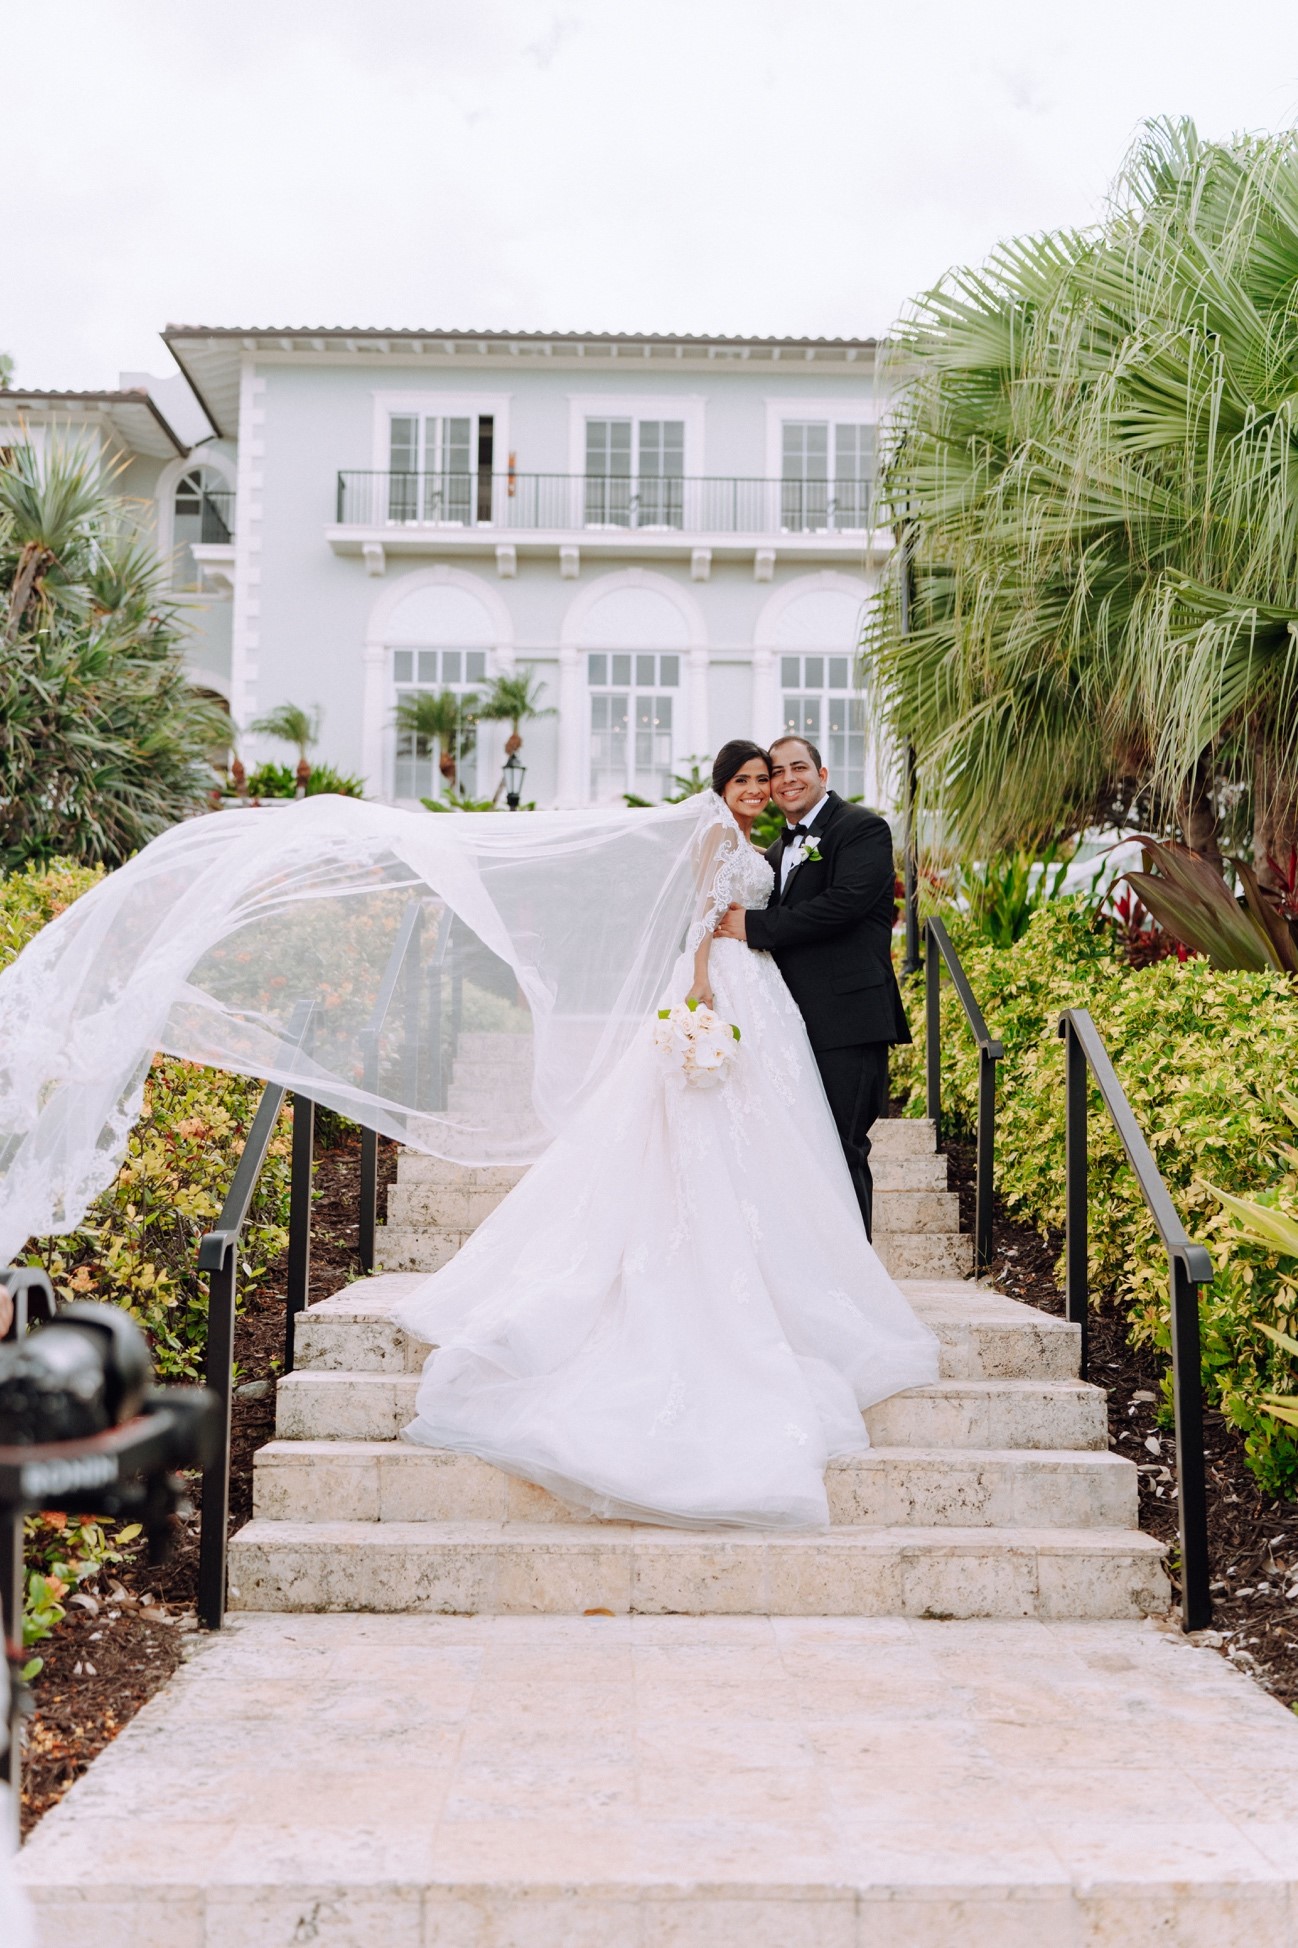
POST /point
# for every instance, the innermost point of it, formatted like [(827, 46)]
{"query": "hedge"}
[(1206, 1058)]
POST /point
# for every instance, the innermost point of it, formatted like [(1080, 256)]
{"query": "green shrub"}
[(1204, 1057), (280, 781)]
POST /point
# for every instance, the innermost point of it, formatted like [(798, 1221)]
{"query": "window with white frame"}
[(635, 473), (417, 772), (826, 475), (439, 467), (632, 698), (202, 510), (819, 704)]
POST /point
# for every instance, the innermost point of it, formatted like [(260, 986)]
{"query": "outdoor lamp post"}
[(512, 779)]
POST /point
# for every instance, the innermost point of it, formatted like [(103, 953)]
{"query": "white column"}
[(766, 697), (374, 709), (572, 703), (700, 739)]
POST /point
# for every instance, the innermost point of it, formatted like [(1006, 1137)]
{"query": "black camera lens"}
[(86, 1370)]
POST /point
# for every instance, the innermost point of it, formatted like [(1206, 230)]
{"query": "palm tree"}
[(57, 515), (103, 743), (293, 725), (514, 700), (1091, 467), (445, 720)]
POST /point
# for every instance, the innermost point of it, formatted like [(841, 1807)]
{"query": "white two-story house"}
[(673, 534)]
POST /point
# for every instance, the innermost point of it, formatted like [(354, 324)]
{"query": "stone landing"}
[(678, 1782)]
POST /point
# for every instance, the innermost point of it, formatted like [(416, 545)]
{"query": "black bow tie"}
[(792, 833)]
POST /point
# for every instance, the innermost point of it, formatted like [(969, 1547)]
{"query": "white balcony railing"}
[(562, 503)]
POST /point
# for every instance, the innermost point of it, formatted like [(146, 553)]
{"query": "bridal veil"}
[(340, 947)]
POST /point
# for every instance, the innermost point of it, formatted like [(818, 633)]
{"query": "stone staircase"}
[(990, 1494), (567, 1733)]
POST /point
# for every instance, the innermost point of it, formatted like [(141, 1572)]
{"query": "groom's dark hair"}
[(733, 757), (794, 737)]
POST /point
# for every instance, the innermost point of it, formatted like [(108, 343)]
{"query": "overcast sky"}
[(754, 166)]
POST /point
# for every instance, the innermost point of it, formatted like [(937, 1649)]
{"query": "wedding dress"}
[(676, 1316)]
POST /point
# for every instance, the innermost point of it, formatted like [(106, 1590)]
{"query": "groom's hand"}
[(734, 924)]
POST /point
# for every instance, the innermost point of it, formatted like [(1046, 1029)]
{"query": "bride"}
[(676, 1316)]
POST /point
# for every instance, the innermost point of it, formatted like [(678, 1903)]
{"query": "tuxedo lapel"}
[(825, 819)]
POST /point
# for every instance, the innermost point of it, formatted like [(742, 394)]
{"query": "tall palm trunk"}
[(34, 561), (1197, 814)]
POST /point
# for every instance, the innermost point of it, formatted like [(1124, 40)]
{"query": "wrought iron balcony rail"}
[(560, 502)]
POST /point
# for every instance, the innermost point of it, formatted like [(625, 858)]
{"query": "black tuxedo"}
[(830, 931)]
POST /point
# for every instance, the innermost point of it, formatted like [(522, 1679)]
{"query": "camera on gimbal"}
[(82, 1429)]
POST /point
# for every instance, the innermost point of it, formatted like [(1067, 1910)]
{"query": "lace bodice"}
[(752, 880), (732, 872)]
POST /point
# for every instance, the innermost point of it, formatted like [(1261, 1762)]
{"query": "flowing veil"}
[(355, 953)]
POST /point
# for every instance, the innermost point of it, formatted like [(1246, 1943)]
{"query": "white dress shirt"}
[(794, 854)]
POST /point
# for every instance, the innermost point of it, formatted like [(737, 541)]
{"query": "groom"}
[(829, 926)]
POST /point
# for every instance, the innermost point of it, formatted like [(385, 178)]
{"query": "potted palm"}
[(293, 725), (442, 719), (514, 700)]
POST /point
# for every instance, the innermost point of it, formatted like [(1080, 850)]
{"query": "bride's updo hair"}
[(733, 757)]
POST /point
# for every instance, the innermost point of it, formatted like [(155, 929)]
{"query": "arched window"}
[(202, 510)]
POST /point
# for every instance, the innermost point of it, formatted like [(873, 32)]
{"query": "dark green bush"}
[(1205, 1058)]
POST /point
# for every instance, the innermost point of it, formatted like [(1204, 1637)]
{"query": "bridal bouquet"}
[(695, 1045)]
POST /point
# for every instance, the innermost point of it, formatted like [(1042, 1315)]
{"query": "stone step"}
[(925, 1254), (681, 1782), (440, 1206), (402, 1247), (414, 1167), (931, 1211), (901, 1172), (314, 1405), (513, 1569), (455, 1207), (391, 1481), (983, 1334)]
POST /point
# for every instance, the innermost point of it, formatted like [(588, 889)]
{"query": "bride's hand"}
[(701, 993)]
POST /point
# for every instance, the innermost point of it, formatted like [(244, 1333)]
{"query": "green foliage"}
[(1093, 451), (279, 781), (102, 742), (60, 1554), (456, 801), (1205, 1057), (291, 725), (1192, 902), (514, 700), (1003, 893)]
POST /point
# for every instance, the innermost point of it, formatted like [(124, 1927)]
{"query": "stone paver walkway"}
[(683, 1782)]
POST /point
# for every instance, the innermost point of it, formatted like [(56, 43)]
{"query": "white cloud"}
[(728, 165)]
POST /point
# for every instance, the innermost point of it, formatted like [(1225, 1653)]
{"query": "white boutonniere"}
[(812, 855)]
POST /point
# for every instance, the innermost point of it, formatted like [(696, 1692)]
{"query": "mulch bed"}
[(100, 1668), (1252, 1538)]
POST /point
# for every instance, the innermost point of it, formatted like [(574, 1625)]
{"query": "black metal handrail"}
[(1189, 1267), (218, 1256), (938, 948)]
